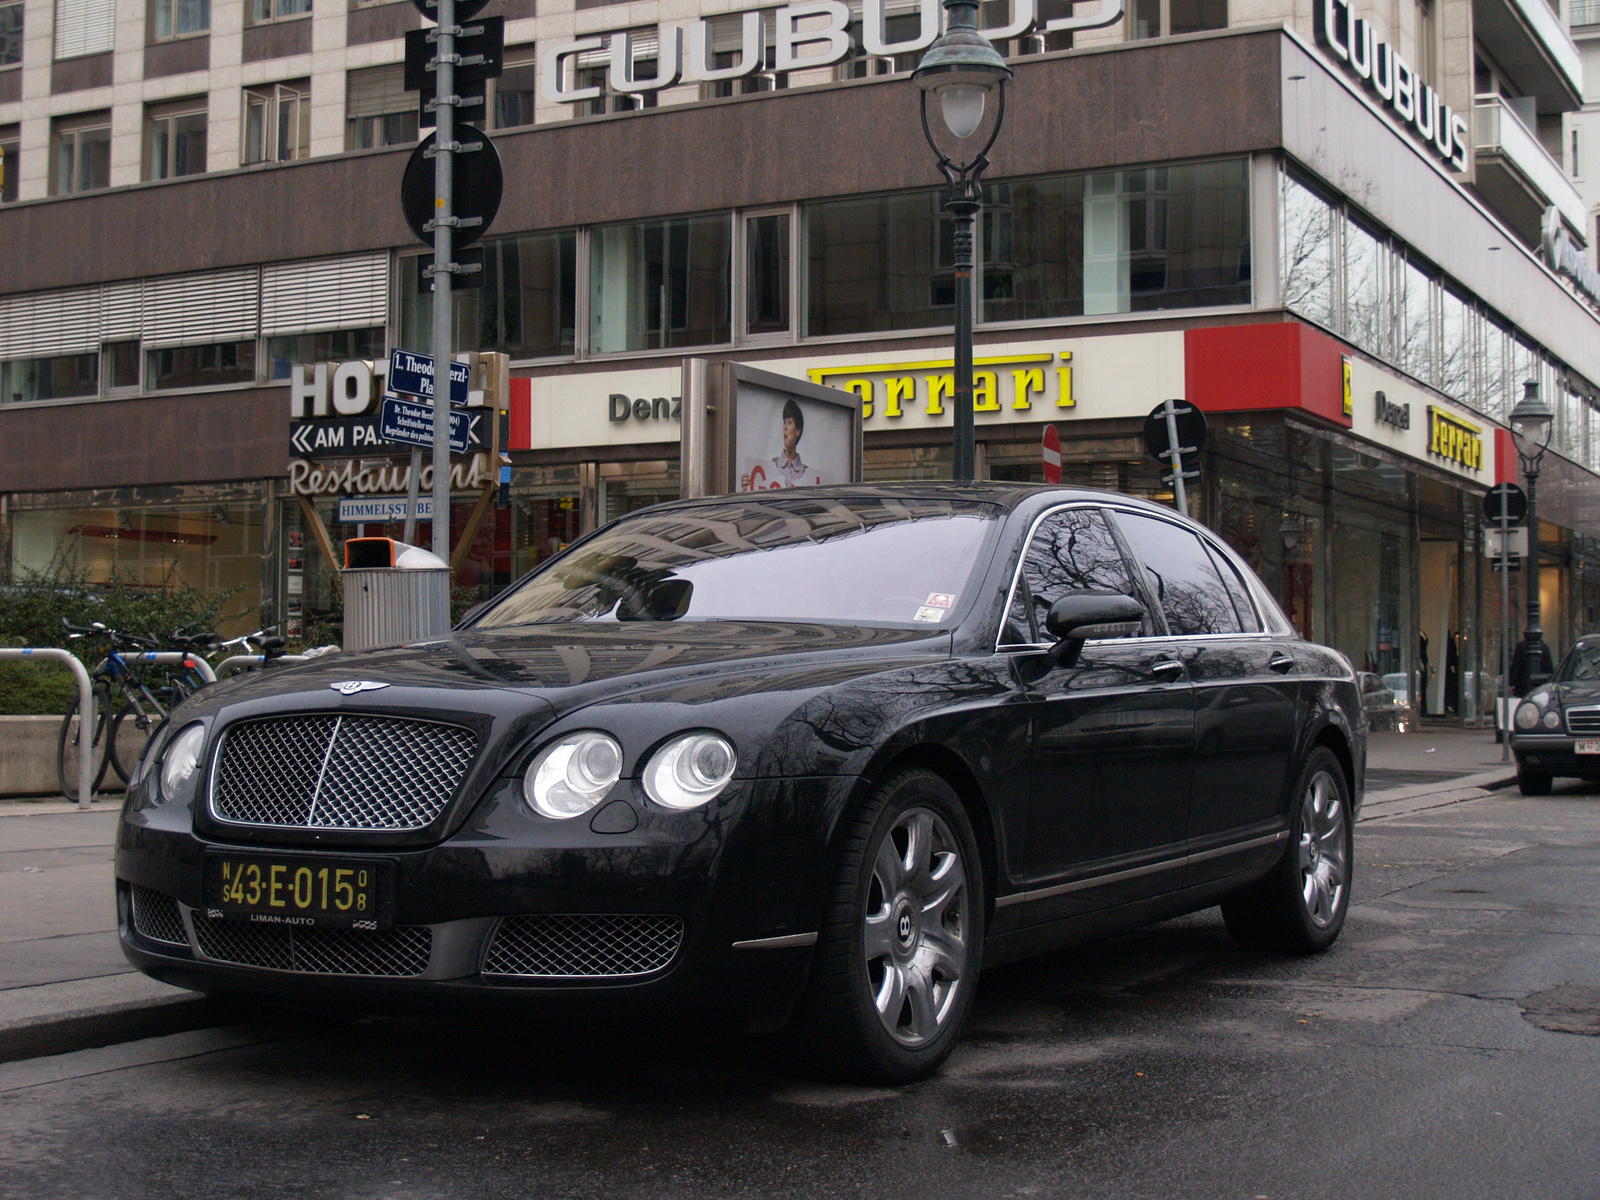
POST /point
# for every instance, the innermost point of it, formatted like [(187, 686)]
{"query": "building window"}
[(10, 144), (514, 91), (340, 345), (262, 11), (1165, 18), (201, 366), (81, 148), (527, 306), (995, 14), (378, 109), (85, 27), (727, 50), (57, 378), (178, 18), (175, 139), (121, 365), (277, 122), (877, 263), (659, 283), (1306, 222), (593, 70), (766, 274), (10, 34)]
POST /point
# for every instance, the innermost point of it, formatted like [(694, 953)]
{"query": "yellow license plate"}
[(301, 891)]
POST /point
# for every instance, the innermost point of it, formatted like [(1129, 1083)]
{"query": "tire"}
[(901, 942), (1533, 784), (1300, 908), (128, 739), (67, 746)]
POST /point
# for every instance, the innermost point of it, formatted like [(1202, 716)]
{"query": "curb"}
[(1399, 802), (58, 1018)]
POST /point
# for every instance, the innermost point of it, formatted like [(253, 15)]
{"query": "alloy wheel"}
[(1322, 850), (916, 931)]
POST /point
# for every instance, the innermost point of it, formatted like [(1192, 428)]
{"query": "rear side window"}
[(1181, 576), (1072, 550), (1237, 591)]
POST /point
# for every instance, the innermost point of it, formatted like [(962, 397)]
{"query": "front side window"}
[(202, 366), (836, 562), (1072, 550), (660, 283), (378, 109), (277, 122), (10, 34), (58, 378), (1181, 576), (175, 139), (81, 148), (340, 345), (175, 18)]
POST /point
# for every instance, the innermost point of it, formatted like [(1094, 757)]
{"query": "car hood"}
[(572, 664), (1577, 693)]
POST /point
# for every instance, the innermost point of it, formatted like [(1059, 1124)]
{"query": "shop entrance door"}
[(1437, 669)]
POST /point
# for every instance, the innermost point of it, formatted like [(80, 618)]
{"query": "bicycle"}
[(121, 732)]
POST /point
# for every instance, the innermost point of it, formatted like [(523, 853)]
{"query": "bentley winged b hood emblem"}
[(351, 686)]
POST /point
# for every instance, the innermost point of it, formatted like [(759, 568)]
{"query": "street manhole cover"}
[(1570, 1008)]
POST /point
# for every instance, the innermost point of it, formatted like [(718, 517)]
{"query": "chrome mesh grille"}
[(583, 946), (401, 951), (155, 916), (1583, 720), (336, 771)]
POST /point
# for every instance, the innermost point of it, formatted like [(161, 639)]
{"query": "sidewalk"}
[(64, 984)]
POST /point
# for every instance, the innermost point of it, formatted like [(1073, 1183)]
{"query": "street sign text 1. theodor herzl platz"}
[(461, 58)]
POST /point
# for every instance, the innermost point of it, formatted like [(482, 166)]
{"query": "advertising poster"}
[(791, 441)]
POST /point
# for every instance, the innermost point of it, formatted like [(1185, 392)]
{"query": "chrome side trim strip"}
[(1079, 885), (778, 943)]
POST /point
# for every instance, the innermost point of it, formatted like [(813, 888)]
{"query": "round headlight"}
[(689, 770), (1527, 715), (181, 759), (1552, 719), (572, 774)]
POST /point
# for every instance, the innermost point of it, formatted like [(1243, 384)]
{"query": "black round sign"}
[(1505, 502), (1191, 428), (477, 183), (465, 9)]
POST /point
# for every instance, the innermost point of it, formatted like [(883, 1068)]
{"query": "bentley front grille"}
[(398, 952), (583, 946), (155, 916), (339, 771)]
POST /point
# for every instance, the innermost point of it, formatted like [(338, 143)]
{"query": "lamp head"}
[(962, 67), (1532, 420)]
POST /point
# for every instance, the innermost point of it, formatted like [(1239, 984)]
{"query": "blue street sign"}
[(412, 423), (412, 375)]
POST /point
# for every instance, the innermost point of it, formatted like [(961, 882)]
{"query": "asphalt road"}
[(1166, 1064)]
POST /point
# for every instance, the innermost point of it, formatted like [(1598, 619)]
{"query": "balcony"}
[(1585, 15), (1526, 38), (1516, 175)]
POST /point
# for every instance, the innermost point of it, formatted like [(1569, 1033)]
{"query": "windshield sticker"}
[(929, 613), (939, 600)]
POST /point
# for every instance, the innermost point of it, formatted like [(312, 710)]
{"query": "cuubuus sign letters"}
[(1383, 72)]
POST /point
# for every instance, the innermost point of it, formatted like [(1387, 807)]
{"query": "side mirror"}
[(1076, 618)]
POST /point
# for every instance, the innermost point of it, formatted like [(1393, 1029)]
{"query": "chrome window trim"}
[(1168, 864), (1016, 577)]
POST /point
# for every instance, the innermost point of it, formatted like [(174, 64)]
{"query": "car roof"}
[(1008, 496)]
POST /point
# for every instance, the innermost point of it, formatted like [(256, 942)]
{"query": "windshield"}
[(838, 561), (1581, 665)]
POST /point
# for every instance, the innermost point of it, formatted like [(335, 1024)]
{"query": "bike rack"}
[(85, 710), (174, 658), (241, 662)]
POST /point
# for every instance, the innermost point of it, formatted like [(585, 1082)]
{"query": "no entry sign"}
[(1052, 455)]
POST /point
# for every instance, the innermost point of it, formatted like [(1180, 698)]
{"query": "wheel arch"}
[(1331, 736)]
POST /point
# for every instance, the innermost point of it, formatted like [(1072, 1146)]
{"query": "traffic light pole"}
[(443, 275)]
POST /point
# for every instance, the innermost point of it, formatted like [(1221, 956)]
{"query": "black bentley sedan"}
[(806, 759), (1555, 729)]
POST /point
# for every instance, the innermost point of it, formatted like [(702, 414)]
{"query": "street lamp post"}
[(1531, 424), (962, 68)]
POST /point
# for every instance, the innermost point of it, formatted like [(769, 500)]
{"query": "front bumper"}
[(1554, 754), (749, 869)]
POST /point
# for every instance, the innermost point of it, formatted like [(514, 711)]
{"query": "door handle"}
[(1281, 663), (1167, 668)]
